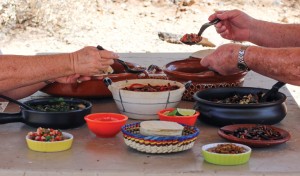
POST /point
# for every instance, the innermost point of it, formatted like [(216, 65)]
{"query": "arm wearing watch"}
[(281, 64)]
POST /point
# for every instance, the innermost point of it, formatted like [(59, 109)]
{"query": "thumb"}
[(205, 61)]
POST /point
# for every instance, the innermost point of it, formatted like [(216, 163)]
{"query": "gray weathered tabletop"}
[(91, 155)]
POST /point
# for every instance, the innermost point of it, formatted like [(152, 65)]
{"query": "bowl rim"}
[(180, 74), (160, 113), (121, 84), (67, 99), (160, 138), (65, 134), (208, 146), (254, 143), (234, 105), (125, 118)]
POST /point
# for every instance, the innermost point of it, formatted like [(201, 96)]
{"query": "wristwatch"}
[(241, 62)]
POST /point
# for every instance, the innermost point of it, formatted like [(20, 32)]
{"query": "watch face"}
[(241, 66)]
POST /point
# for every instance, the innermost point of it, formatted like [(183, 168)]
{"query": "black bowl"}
[(221, 114), (57, 120)]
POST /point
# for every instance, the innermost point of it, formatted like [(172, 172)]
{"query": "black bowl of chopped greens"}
[(57, 105), (239, 105), (58, 113)]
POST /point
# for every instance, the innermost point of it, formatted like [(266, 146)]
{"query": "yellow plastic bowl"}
[(226, 159), (56, 146)]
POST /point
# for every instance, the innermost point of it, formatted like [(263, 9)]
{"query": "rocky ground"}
[(32, 26), (39, 26)]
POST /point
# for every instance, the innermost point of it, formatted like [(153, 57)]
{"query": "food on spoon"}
[(160, 128), (227, 149), (46, 135), (150, 88), (180, 112), (191, 38)]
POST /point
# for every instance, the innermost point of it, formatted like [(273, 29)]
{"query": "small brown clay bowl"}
[(94, 88), (225, 131), (202, 78)]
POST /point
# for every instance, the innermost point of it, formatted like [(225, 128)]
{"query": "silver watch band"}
[(241, 62)]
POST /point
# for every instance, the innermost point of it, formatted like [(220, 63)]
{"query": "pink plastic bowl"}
[(105, 124), (187, 120)]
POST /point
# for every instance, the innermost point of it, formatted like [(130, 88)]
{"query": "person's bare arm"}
[(31, 89), (237, 25), (275, 35), (24, 91), (282, 64), (20, 71)]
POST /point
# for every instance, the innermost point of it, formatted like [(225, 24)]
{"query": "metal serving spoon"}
[(269, 95), (193, 38), (17, 102), (126, 67)]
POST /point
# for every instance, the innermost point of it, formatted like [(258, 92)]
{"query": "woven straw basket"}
[(159, 144)]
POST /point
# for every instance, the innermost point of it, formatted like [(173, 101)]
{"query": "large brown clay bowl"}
[(94, 88), (202, 78)]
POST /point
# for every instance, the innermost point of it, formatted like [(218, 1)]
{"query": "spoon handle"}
[(120, 61), (215, 21), (17, 102), (278, 85), (100, 47), (206, 25), (272, 91)]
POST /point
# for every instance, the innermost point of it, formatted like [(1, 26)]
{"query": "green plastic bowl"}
[(226, 159)]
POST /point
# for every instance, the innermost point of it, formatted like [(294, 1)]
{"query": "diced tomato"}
[(43, 134)]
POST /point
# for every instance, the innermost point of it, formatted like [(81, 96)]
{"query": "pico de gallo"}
[(46, 135)]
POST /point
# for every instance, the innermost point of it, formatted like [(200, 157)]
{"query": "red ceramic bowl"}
[(187, 120), (202, 78), (94, 88), (105, 124)]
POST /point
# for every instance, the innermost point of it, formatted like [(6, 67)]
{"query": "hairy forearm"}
[(19, 71), (274, 35), (278, 63), (24, 91)]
